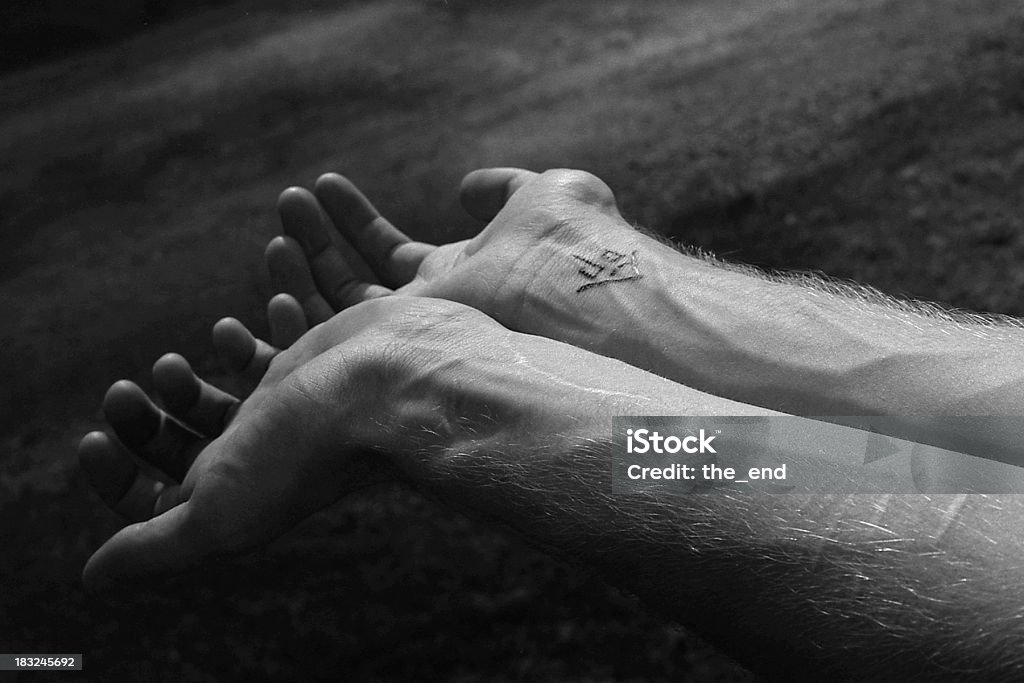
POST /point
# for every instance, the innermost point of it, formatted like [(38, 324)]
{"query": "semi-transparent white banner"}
[(838, 454)]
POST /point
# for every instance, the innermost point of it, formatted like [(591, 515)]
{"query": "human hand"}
[(551, 239), (220, 475), (165, 441)]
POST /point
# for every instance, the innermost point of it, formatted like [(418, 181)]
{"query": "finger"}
[(148, 432), (242, 353), (483, 193), (287, 320), (392, 256), (340, 282), (192, 523), (160, 545), (117, 479), (200, 405), (290, 273)]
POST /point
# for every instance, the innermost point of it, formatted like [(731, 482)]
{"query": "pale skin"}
[(492, 422), (799, 346)]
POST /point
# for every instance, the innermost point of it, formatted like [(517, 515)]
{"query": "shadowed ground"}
[(875, 140)]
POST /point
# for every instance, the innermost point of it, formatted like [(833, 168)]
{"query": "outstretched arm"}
[(558, 260), (515, 428), (903, 587)]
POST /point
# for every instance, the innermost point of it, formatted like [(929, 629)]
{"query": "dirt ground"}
[(877, 140)]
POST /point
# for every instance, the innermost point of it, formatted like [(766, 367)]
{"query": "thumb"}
[(162, 545), (484, 192)]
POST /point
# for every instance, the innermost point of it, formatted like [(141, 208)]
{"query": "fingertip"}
[(275, 246), (100, 581), (287, 320), (345, 203), (176, 382), (293, 195), (106, 467), (290, 273), (130, 412), (228, 327), (295, 199), (93, 579), (91, 452), (171, 357), (286, 259), (220, 332), (167, 544), (484, 192), (303, 219), (284, 306), (172, 365), (333, 181), (234, 343), (335, 185), (138, 550), (91, 440), (120, 389), (105, 569), (472, 177), (283, 298)]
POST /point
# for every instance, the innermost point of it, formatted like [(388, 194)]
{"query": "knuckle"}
[(581, 185)]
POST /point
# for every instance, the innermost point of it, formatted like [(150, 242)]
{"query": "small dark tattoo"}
[(609, 266)]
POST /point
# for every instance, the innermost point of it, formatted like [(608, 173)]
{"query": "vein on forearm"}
[(801, 341)]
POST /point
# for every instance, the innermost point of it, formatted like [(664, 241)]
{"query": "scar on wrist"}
[(608, 266)]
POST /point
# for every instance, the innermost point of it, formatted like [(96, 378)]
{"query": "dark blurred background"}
[(37, 31), (143, 148)]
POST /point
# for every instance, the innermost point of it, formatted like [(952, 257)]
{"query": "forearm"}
[(799, 587), (805, 347), (869, 587), (797, 345)]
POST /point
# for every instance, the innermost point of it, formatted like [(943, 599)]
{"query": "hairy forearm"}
[(794, 586), (866, 587), (808, 347), (795, 344), (798, 345)]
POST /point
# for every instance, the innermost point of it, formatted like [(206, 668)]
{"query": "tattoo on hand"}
[(609, 266)]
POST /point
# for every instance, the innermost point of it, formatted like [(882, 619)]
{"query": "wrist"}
[(403, 385), (596, 289), (417, 389)]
